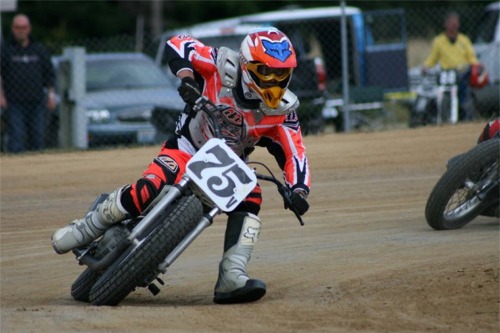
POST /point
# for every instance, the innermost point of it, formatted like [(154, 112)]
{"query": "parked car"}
[(125, 93), (308, 78)]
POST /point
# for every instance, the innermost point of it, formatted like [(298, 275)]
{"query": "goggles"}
[(266, 73)]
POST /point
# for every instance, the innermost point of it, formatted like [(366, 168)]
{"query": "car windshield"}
[(124, 74)]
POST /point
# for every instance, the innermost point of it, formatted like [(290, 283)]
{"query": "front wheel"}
[(456, 197), (139, 265)]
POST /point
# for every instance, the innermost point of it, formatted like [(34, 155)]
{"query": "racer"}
[(264, 113)]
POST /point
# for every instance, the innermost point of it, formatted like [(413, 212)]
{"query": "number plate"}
[(447, 78), (221, 175)]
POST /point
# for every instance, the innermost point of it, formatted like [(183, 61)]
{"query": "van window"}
[(487, 27)]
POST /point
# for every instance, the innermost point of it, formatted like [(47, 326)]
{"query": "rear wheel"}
[(80, 289), (455, 199), (138, 266)]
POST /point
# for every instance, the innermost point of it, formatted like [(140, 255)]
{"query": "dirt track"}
[(365, 261)]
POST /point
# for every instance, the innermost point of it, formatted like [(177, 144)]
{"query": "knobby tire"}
[(80, 289), (141, 264)]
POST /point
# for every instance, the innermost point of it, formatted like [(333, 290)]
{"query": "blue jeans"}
[(464, 98), (25, 127)]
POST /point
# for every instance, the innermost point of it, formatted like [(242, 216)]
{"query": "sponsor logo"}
[(278, 50), (168, 162), (252, 234), (292, 121), (233, 116)]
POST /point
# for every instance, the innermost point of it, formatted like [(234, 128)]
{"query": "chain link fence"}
[(384, 48)]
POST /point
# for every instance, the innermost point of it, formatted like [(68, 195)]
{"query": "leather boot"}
[(83, 231), (233, 284)]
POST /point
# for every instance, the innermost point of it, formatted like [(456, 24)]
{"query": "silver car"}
[(124, 92)]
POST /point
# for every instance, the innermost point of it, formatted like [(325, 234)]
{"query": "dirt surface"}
[(366, 260)]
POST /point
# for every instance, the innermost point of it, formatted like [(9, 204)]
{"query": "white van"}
[(487, 47), (376, 41)]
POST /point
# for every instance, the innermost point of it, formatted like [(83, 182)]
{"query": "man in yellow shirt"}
[(453, 50)]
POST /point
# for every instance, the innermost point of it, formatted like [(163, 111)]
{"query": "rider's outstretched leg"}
[(83, 231), (233, 284)]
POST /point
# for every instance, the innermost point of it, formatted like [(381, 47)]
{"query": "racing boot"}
[(233, 284), (83, 231)]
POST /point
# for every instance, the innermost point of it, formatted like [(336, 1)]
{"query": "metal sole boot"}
[(83, 231), (233, 284)]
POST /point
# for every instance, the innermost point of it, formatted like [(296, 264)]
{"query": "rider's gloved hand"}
[(298, 200), (189, 90)]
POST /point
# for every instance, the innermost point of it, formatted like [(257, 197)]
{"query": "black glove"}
[(298, 201), (189, 91)]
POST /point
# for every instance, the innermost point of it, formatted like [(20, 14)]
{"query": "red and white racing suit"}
[(245, 126)]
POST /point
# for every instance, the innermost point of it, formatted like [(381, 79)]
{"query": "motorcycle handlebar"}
[(210, 109)]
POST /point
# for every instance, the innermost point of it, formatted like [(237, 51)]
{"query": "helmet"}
[(478, 76), (267, 61)]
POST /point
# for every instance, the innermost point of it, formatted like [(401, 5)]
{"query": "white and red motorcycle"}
[(135, 252)]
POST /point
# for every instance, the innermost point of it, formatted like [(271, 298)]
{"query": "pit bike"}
[(133, 253), (468, 188)]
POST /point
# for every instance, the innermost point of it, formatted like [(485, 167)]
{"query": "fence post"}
[(71, 83), (345, 68)]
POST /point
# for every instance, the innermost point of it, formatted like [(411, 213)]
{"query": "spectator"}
[(453, 50), (27, 87)]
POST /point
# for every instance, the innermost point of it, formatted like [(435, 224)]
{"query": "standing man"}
[(453, 50), (27, 87)]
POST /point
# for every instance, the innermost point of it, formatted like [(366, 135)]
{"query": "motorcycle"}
[(468, 188), (133, 253), (437, 98)]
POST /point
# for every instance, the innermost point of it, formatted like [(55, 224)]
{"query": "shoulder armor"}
[(289, 103), (227, 65)]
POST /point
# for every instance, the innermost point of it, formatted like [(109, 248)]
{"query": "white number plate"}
[(221, 174), (448, 78)]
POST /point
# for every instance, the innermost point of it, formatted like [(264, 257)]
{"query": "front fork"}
[(173, 194), (205, 221), (453, 116)]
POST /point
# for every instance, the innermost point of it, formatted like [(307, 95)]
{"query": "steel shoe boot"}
[(83, 231), (233, 284)]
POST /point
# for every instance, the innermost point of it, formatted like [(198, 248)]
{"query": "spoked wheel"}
[(458, 196), (139, 265)]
